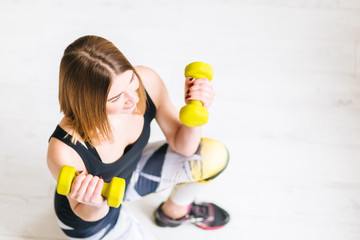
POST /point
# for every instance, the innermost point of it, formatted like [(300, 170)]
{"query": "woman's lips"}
[(129, 106)]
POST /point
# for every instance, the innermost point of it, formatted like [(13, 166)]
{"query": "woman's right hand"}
[(86, 189)]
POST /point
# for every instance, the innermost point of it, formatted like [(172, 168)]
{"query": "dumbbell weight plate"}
[(65, 179)]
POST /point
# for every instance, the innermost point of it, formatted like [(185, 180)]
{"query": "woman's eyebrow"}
[(132, 78)]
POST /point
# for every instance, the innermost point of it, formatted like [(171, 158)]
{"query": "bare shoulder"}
[(60, 154), (152, 83)]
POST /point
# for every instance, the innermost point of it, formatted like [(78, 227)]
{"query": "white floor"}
[(287, 76)]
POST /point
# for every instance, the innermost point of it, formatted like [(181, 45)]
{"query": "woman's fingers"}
[(97, 192), (200, 89), (83, 187), (87, 189), (88, 195), (76, 185)]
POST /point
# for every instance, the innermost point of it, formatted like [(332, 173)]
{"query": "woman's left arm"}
[(181, 138)]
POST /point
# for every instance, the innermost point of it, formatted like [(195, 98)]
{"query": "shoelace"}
[(198, 213)]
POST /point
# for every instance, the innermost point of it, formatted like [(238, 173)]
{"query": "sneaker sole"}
[(162, 224), (209, 228)]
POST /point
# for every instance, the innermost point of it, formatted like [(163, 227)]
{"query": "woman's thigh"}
[(160, 167)]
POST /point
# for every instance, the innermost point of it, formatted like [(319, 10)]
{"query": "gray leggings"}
[(160, 168)]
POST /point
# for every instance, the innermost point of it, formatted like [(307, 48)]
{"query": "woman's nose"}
[(132, 96)]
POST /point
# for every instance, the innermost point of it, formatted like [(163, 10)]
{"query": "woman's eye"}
[(115, 99)]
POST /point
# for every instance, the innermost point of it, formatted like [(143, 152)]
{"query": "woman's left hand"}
[(199, 89)]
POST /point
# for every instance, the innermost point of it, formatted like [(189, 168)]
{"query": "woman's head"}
[(97, 80)]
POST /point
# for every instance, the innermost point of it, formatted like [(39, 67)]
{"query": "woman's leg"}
[(160, 168)]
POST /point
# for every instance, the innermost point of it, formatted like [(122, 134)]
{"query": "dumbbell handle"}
[(113, 191)]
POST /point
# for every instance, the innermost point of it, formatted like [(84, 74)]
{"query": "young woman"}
[(108, 106)]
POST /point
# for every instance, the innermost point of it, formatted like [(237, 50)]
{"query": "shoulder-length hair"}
[(86, 72)]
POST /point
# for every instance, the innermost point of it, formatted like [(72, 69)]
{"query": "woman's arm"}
[(85, 196), (182, 139)]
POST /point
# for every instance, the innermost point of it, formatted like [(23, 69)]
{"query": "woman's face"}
[(122, 98)]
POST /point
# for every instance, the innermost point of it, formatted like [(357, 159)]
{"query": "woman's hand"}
[(86, 189), (199, 89)]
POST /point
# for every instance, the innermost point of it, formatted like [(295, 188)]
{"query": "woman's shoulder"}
[(59, 154), (152, 83)]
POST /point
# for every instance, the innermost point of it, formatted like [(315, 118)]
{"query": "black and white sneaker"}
[(204, 215)]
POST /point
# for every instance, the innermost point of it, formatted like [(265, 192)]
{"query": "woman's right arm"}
[(85, 196)]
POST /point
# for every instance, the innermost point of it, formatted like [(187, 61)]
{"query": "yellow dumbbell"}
[(113, 191), (195, 114)]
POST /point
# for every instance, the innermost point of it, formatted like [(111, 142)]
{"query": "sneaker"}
[(204, 215)]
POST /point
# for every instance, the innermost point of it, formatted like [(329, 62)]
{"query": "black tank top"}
[(123, 168)]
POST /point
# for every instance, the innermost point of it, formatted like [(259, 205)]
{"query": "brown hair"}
[(86, 71)]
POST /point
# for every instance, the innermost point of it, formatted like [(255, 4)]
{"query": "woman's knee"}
[(214, 159)]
